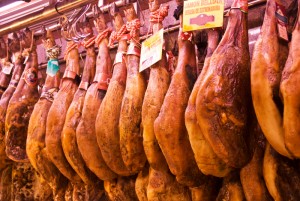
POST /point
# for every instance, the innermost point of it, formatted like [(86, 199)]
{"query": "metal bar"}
[(41, 16)]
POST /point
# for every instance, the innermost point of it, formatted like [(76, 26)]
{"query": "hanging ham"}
[(207, 161), (86, 131), (21, 105), (251, 175), (121, 188), (107, 121), (162, 184), (290, 94), (6, 66), (169, 127), (35, 145), (73, 117), (281, 175), (232, 189), (131, 139), (15, 47), (223, 103), (58, 111), (269, 56)]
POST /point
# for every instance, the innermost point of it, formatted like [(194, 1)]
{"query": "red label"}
[(281, 21)]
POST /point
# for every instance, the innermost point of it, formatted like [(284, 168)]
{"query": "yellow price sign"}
[(151, 51), (202, 14)]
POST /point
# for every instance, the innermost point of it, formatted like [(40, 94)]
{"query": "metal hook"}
[(55, 6)]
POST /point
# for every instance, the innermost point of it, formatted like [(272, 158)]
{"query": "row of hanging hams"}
[(227, 132)]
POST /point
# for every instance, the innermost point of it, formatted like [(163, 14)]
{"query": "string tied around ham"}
[(160, 14), (133, 26), (117, 35), (88, 43), (70, 47), (104, 34)]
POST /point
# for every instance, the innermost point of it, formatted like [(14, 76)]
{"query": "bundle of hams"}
[(225, 132)]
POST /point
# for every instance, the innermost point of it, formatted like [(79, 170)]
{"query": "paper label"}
[(25, 60), (202, 14), (281, 22), (52, 67), (7, 69), (151, 51)]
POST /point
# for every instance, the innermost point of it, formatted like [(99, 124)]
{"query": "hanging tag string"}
[(102, 35), (133, 26), (88, 43), (117, 35), (160, 14)]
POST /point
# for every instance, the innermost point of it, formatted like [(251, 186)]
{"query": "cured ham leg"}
[(86, 131), (131, 139), (21, 106), (6, 183), (207, 161), (73, 117), (291, 93), (121, 188), (223, 102), (251, 175), (281, 175), (162, 184), (141, 184), (58, 111), (107, 120), (6, 68), (208, 191), (14, 46), (35, 145), (269, 55), (232, 189), (169, 127)]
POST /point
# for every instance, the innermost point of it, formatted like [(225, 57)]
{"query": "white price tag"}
[(7, 69)]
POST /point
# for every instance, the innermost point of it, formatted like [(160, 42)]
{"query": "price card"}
[(202, 14), (7, 69), (151, 51)]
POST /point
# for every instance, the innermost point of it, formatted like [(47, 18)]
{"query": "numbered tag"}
[(151, 51), (7, 69)]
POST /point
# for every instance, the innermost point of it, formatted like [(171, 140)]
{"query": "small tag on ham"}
[(281, 22), (25, 60), (7, 69)]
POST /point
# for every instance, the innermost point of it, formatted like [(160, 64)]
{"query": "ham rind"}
[(269, 56), (169, 126), (223, 101), (58, 111), (35, 144), (208, 162), (21, 105), (107, 121), (86, 130), (131, 139)]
